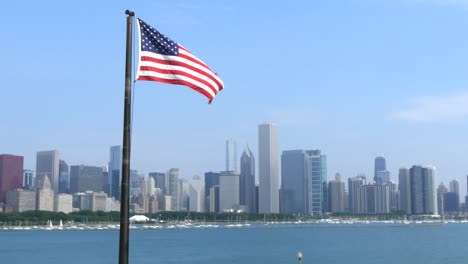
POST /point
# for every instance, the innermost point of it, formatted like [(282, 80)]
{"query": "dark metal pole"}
[(124, 196)]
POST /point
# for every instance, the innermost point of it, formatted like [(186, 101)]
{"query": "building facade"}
[(11, 174), (268, 168), (47, 165)]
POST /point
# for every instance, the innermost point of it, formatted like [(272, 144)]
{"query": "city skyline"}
[(392, 86)]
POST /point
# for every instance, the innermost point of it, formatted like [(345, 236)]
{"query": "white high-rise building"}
[(151, 186), (45, 197), (268, 168), (231, 155), (228, 191), (47, 165), (197, 194)]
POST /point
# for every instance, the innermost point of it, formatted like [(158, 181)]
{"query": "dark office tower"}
[(247, 181), (405, 190), (303, 182), (379, 165), (356, 195), (11, 174), (28, 179), (85, 178), (64, 177), (451, 203), (429, 190), (211, 180), (47, 165), (159, 180), (455, 187), (294, 183), (114, 168), (417, 204)]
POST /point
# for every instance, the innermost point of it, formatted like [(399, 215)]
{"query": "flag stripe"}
[(176, 73), (185, 60), (174, 77), (177, 66)]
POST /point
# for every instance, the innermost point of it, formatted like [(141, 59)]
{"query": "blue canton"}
[(153, 41)]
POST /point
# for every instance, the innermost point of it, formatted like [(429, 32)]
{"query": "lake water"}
[(423, 243)]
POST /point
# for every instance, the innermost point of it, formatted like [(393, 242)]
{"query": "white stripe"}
[(187, 53), (177, 77), (179, 68), (139, 45), (179, 59)]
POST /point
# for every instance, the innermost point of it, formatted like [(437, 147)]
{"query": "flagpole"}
[(124, 196)]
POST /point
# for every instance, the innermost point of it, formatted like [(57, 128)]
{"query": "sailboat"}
[(60, 227)]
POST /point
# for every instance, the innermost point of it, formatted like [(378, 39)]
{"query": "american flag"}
[(163, 60)]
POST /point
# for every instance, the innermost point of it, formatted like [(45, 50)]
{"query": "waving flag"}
[(163, 60)]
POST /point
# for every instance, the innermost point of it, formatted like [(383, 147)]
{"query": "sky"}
[(353, 78)]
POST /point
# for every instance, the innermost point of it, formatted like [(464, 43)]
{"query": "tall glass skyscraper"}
[(64, 177), (381, 175), (114, 175), (231, 155), (173, 188), (247, 181), (303, 182), (405, 189), (295, 186), (268, 168), (423, 190), (47, 165)]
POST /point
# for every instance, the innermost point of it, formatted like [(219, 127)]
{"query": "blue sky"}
[(354, 78)]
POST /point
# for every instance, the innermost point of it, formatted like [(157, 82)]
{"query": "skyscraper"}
[(64, 177), (114, 167), (268, 167), (423, 190), (429, 190), (197, 194), (11, 174), (211, 180), (295, 186), (159, 180), (379, 165), (303, 182), (441, 191), (455, 187), (336, 194), (317, 177), (247, 181), (228, 191), (47, 165), (231, 155), (85, 178), (173, 188), (417, 206), (28, 179), (356, 194), (405, 190)]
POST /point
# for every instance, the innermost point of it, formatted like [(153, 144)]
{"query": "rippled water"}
[(439, 243)]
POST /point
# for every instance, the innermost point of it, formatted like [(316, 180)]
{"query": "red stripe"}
[(163, 71), (194, 58), (181, 82), (178, 63)]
